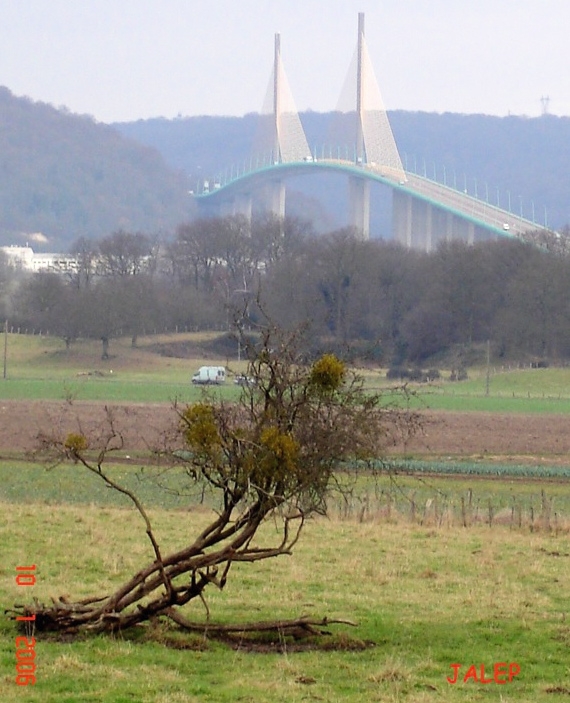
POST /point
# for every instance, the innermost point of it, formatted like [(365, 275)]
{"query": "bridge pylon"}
[(375, 146), (288, 141), (359, 188)]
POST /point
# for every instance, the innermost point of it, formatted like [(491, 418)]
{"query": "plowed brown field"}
[(444, 434)]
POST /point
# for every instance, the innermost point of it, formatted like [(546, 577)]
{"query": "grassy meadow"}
[(423, 597), (39, 367), (435, 570)]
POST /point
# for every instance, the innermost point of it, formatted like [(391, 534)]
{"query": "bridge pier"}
[(402, 218), (420, 224), (448, 226), (359, 203), (275, 198), (225, 208), (412, 221), (429, 227), (243, 205)]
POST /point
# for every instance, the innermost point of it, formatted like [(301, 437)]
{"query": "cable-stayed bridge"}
[(424, 211)]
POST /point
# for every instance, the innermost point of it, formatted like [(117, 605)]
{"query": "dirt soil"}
[(469, 434)]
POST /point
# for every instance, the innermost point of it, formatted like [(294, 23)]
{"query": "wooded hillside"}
[(67, 176)]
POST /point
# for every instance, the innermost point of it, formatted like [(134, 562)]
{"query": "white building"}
[(25, 258)]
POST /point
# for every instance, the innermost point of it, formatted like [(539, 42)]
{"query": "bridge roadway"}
[(407, 187)]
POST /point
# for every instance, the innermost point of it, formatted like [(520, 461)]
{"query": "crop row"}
[(473, 468)]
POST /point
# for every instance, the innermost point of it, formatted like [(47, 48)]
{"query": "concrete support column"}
[(359, 199), (449, 226), (225, 208), (396, 216), (409, 220), (402, 217), (429, 227), (243, 205), (277, 199), (471, 232)]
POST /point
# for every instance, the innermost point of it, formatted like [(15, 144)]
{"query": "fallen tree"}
[(299, 432)]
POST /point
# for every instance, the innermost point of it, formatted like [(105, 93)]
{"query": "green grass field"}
[(512, 497), (41, 368), (424, 596), (470, 568)]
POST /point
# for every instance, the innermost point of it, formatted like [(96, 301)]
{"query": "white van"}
[(210, 374)]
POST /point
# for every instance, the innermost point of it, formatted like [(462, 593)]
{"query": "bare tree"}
[(193, 254), (45, 301), (86, 255), (126, 254), (299, 432), (107, 316), (273, 238)]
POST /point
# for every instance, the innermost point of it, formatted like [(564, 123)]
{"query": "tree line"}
[(368, 299)]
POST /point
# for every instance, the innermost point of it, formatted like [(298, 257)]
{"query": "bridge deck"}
[(463, 205), (458, 203)]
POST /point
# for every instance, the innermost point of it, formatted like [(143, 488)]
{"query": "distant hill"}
[(526, 159), (65, 175)]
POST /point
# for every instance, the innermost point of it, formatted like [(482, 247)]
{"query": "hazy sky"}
[(123, 60)]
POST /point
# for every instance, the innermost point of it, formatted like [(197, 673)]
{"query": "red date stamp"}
[(502, 673), (25, 646)]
